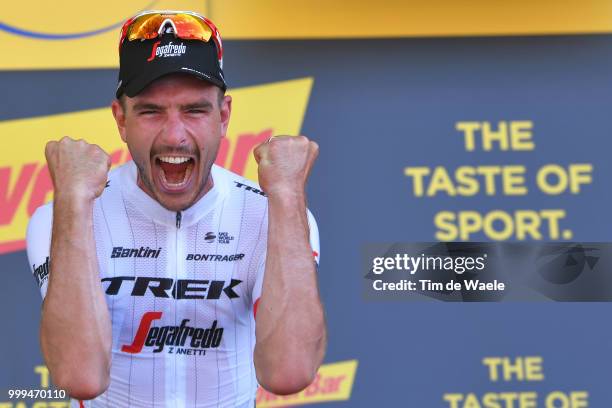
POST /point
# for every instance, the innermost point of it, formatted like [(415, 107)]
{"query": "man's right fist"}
[(77, 168)]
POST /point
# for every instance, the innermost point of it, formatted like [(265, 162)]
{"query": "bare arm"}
[(75, 330), (290, 330)]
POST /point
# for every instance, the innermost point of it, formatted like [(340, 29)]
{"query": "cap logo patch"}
[(168, 50)]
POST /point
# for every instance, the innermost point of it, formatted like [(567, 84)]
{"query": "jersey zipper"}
[(179, 380)]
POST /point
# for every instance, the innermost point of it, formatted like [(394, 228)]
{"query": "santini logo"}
[(142, 252), (168, 50)]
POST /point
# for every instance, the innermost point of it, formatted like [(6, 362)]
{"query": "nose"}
[(174, 132)]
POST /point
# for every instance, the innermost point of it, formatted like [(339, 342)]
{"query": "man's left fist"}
[(285, 163)]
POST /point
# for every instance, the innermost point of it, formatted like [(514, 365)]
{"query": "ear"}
[(226, 111), (119, 115)]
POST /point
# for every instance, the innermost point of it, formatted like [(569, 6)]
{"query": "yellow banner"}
[(334, 382), (247, 19), (71, 33), (258, 112)]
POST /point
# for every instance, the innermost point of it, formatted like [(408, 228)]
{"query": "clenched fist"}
[(285, 163), (77, 168)]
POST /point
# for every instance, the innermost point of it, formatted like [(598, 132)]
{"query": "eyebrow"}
[(152, 106), (147, 106), (198, 105)]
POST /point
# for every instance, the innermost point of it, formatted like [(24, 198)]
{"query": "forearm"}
[(291, 333), (75, 324)]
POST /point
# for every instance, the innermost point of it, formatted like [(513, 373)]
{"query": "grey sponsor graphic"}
[(249, 188), (41, 272), (489, 272)]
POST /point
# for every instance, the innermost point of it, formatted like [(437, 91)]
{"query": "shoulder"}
[(42, 218), (237, 185), (38, 243), (40, 223), (124, 174)]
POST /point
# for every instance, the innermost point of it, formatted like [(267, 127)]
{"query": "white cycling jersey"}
[(181, 290)]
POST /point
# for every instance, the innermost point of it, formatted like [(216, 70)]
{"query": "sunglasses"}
[(186, 25)]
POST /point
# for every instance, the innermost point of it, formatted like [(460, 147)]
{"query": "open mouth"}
[(174, 172)]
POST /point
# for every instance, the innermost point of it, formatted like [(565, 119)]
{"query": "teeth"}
[(173, 159)]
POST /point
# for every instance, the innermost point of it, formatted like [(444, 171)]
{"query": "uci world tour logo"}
[(15, 29)]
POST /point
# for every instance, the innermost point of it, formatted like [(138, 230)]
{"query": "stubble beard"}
[(148, 183)]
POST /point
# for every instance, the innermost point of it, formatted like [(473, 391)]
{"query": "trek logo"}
[(41, 273), (249, 188), (175, 337), (179, 289), (168, 50), (142, 252), (214, 257)]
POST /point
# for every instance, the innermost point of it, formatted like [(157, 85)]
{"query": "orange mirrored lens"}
[(188, 27), (144, 27), (192, 28)]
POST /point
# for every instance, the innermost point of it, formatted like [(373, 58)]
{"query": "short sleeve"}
[(38, 242), (316, 251)]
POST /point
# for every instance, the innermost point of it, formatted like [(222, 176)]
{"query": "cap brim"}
[(138, 84)]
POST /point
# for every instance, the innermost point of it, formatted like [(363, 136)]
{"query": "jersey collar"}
[(152, 209)]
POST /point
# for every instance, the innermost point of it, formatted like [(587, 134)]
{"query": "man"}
[(172, 281)]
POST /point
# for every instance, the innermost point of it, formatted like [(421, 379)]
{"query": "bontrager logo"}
[(214, 257), (179, 289), (168, 50), (175, 337), (142, 252)]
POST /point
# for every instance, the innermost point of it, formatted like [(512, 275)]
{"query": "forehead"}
[(177, 87)]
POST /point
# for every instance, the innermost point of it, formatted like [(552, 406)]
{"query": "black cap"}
[(143, 61)]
